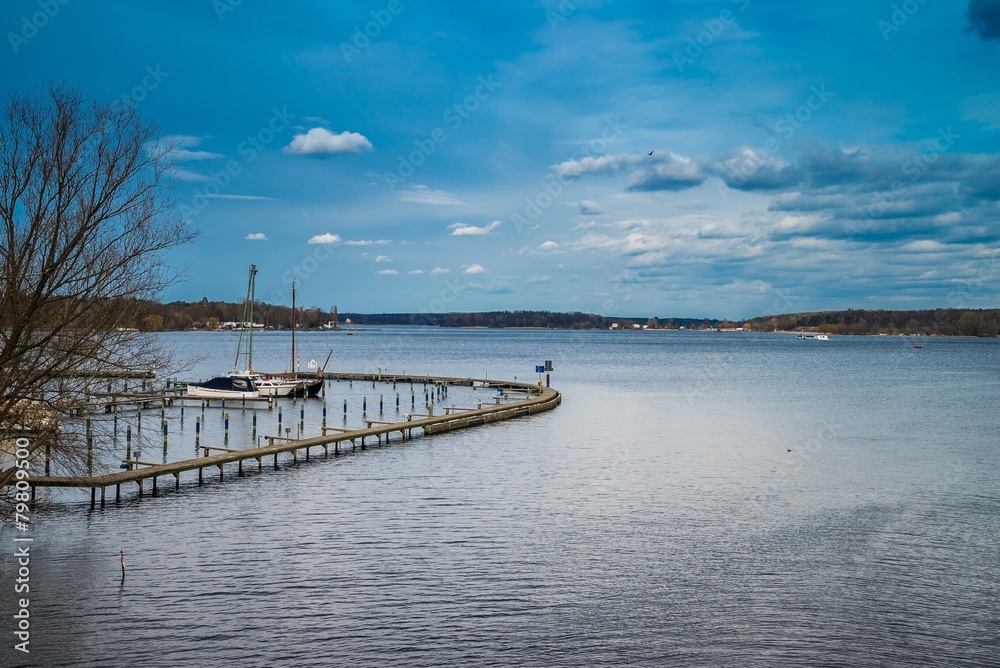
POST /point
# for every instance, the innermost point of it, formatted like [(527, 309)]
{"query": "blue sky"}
[(426, 156)]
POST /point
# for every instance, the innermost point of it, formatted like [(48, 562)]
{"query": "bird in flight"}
[(650, 153)]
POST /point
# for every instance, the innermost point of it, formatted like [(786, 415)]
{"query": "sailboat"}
[(310, 387), (266, 385)]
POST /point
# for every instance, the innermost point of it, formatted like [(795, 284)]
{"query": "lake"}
[(698, 499)]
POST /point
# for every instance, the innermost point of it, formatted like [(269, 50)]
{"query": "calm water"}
[(698, 499)]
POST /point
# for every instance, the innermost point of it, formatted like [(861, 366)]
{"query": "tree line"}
[(937, 322)]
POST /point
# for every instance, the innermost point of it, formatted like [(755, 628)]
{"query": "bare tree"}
[(86, 220)]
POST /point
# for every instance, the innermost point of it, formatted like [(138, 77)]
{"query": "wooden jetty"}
[(538, 399)]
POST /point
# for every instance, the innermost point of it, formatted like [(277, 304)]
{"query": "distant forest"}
[(209, 315), (944, 322), (941, 322)]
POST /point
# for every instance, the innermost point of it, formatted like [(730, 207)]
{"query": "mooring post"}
[(200, 470), (345, 410), (118, 492), (177, 480), (397, 399), (90, 452), (48, 457), (380, 399), (302, 416), (254, 424), (154, 485), (279, 419), (197, 431), (364, 405), (276, 461), (225, 418), (324, 412), (164, 436), (220, 472), (102, 498)]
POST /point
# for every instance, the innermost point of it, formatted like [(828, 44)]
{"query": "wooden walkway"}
[(539, 399)]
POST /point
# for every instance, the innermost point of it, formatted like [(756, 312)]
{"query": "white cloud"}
[(388, 272), (250, 198), (461, 229), (605, 164), (474, 269), (548, 245), (540, 279), (256, 236), (423, 195), (320, 141), (368, 242), (325, 239), (177, 148), (589, 207), (415, 272), (383, 258), (437, 271)]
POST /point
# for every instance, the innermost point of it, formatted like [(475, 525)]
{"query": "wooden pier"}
[(538, 399)]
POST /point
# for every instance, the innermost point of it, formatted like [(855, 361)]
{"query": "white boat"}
[(232, 386), (272, 387), (822, 337)]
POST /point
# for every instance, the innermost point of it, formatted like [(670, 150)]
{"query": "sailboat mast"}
[(253, 280), (293, 329), (245, 326)]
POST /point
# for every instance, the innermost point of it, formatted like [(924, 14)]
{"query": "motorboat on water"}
[(230, 386), (822, 337)]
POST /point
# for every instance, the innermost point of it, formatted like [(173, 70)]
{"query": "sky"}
[(682, 158)]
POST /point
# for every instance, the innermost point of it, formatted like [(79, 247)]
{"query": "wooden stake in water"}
[(128, 445), (255, 424), (90, 450), (121, 554), (197, 431)]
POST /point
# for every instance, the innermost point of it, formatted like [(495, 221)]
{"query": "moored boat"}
[(231, 386)]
